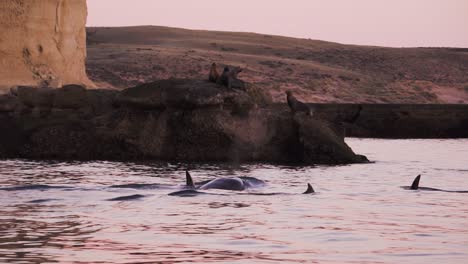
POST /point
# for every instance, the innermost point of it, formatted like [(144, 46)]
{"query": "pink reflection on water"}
[(360, 214)]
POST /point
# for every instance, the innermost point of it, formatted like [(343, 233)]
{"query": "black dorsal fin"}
[(189, 180), (310, 189), (415, 184)]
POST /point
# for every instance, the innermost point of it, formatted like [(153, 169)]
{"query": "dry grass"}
[(317, 71)]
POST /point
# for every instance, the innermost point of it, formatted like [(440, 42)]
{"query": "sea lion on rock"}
[(235, 72), (233, 81), (214, 75), (296, 105), (229, 77), (224, 78)]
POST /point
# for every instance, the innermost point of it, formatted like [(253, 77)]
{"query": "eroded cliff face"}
[(42, 43)]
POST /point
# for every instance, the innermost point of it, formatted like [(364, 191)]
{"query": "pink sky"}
[(396, 23)]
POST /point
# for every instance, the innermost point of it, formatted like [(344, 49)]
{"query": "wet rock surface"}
[(177, 120)]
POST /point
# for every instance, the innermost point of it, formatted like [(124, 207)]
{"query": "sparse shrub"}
[(261, 97), (417, 88), (159, 68), (272, 64), (345, 78), (429, 96), (228, 49), (315, 75), (91, 37)]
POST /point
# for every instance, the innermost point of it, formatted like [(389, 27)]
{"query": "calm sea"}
[(58, 212)]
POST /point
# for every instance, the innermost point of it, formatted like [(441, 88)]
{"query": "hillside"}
[(317, 71)]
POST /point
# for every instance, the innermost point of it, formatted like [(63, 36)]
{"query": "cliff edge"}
[(43, 43)]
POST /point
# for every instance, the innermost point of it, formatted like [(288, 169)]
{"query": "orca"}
[(310, 189), (127, 198), (139, 186), (188, 180), (415, 187), (187, 193), (39, 201), (34, 187), (229, 183)]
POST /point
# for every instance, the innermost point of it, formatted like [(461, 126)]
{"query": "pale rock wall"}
[(43, 43)]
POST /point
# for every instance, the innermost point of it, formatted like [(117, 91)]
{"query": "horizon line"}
[(276, 35)]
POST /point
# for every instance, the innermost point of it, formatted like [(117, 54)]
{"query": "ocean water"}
[(60, 212)]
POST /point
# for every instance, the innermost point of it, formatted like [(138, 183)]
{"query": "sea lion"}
[(214, 75), (224, 78), (235, 72), (229, 78), (354, 117), (296, 105), (233, 81), (415, 186)]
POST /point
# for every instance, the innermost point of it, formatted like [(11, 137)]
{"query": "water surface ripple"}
[(63, 211)]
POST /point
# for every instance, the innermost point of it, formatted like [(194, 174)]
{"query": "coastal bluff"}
[(181, 120), (43, 43)]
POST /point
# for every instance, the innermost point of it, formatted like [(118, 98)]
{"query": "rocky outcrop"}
[(43, 43), (396, 120), (177, 120)]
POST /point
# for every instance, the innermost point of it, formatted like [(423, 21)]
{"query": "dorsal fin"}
[(188, 179), (310, 189), (415, 184)]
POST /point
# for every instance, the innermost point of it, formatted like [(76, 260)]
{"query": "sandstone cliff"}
[(42, 43)]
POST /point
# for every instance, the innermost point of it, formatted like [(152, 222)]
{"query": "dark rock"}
[(321, 144), (171, 93), (235, 83), (101, 101), (396, 120), (12, 137), (8, 103), (35, 97), (70, 97), (177, 120), (180, 94)]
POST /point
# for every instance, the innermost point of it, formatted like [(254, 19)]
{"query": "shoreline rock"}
[(170, 120), (396, 121)]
